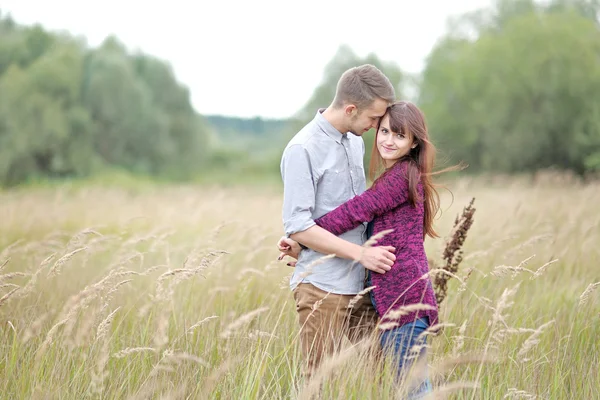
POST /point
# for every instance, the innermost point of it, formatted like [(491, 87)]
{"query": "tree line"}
[(69, 110), (510, 88)]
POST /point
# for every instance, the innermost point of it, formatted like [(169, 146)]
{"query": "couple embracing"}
[(327, 209)]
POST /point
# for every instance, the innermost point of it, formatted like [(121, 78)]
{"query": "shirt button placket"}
[(350, 164)]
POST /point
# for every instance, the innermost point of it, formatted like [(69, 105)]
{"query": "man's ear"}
[(350, 109)]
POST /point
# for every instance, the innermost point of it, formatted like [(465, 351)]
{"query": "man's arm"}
[(298, 190), (377, 259)]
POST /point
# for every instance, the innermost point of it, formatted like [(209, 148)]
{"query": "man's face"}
[(367, 118)]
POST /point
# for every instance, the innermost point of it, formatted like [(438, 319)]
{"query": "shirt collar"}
[(327, 127)]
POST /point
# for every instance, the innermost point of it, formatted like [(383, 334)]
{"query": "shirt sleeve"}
[(389, 192), (298, 190)]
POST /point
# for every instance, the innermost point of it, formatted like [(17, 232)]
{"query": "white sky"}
[(253, 58)]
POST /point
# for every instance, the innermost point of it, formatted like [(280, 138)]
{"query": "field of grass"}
[(175, 292)]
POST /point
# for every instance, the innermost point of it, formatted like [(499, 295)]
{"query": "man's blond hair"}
[(361, 86)]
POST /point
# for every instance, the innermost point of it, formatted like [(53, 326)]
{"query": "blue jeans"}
[(397, 343)]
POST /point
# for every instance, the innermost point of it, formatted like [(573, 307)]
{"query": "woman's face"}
[(392, 145)]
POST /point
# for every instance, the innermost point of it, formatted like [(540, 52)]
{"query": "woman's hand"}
[(288, 247)]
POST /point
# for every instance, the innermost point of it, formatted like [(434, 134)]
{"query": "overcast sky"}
[(253, 58)]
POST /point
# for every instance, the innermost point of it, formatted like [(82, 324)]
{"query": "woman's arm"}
[(388, 193)]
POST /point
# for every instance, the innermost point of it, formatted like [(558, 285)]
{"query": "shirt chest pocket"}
[(334, 187)]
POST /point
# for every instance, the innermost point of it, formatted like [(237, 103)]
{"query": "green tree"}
[(521, 96), (186, 131), (128, 131), (44, 130), (68, 110)]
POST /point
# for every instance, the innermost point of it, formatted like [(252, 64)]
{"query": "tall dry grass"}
[(176, 293)]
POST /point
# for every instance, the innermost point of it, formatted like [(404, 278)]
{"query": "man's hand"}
[(378, 259), (288, 247)]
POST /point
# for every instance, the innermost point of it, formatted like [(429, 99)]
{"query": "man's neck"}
[(335, 119)]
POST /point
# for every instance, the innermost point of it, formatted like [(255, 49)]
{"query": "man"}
[(321, 168)]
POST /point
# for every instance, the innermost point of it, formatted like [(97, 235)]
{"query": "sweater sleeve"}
[(387, 193)]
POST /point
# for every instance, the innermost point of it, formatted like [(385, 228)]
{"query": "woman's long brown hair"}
[(407, 118)]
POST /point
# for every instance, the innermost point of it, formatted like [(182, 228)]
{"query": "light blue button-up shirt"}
[(322, 168)]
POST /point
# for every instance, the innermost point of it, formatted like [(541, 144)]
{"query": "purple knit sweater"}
[(386, 203)]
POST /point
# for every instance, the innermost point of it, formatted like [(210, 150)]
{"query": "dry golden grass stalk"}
[(85, 297), (105, 325), (109, 294), (503, 304), (12, 275), (250, 271), (179, 275), (449, 364), (375, 238), (435, 330), (256, 334), (10, 247), (359, 296), (46, 261), (453, 253), (460, 339), (8, 285), (318, 303), (241, 321), (178, 358), (503, 270), (211, 381), (498, 317), (100, 373), (527, 244), (84, 330), (442, 271), (386, 326), (197, 324), (4, 263), (34, 329), (28, 288), (133, 350), (313, 264), (78, 239), (514, 393), (542, 269), (583, 299), (49, 339), (390, 319), (329, 366), (4, 298), (55, 270), (161, 337), (532, 341)]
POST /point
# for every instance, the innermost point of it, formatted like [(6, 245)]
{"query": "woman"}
[(402, 199)]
